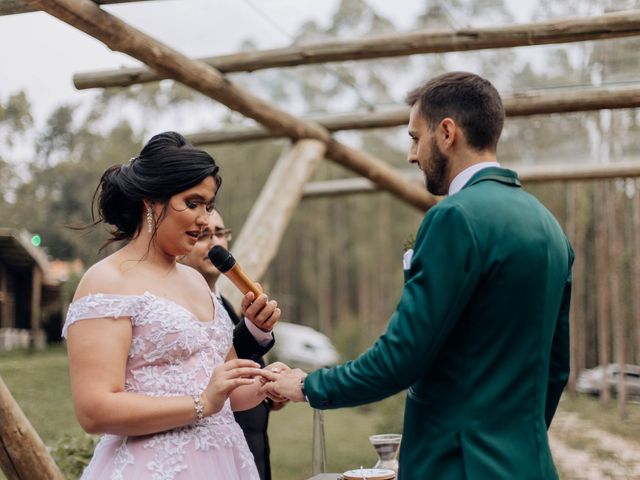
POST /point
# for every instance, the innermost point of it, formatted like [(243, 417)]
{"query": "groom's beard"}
[(437, 174)]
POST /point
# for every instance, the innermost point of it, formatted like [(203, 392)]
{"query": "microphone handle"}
[(240, 280)]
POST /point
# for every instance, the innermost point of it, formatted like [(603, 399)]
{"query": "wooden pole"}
[(603, 276), (23, 455), (578, 298), (635, 270), (390, 117), (11, 7), (516, 105), (117, 35), (263, 229), (577, 29), (618, 323), (527, 173), (571, 228)]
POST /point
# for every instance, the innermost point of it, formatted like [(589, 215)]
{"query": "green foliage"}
[(349, 339), (73, 453), (391, 411), (15, 117)]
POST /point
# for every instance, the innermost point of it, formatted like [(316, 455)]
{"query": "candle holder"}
[(386, 446)]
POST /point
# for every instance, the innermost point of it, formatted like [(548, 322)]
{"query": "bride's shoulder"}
[(192, 276), (102, 277)]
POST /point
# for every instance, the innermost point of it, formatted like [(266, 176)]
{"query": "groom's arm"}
[(443, 275)]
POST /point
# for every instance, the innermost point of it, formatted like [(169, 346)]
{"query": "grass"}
[(39, 382)]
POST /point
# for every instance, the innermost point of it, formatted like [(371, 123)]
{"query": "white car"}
[(590, 381), (303, 347)]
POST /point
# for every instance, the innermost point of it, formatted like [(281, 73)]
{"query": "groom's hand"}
[(287, 384), (276, 368)]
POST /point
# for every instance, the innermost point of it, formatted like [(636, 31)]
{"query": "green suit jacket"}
[(480, 338)]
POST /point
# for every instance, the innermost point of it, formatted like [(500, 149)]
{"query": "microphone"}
[(224, 261)]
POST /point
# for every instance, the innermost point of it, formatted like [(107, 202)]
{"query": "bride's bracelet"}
[(198, 407)]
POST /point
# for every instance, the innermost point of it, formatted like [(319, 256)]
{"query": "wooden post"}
[(616, 253), (117, 35), (578, 299), (23, 455), (577, 29), (603, 275), (263, 229), (571, 228), (635, 269)]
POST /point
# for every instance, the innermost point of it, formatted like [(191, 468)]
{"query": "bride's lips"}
[(194, 234)]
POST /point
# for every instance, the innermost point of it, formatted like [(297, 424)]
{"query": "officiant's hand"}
[(261, 311), (286, 384)]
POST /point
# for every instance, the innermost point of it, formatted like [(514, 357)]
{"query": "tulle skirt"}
[(179, 458)]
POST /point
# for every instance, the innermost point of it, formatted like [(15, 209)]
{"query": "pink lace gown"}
[(172, 354)]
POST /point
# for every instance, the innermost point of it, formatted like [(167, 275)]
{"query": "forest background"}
[(339, 265)]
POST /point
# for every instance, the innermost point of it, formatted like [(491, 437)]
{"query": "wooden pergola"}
[(312, 138)]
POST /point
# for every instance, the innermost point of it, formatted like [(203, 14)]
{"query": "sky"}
[(39, 53)]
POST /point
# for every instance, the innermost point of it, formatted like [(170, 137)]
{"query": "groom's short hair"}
[(470, 100)]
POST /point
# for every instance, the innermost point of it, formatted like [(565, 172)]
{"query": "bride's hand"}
[(277, 368), (225, 379)]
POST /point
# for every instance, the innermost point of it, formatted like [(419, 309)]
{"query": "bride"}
[(150, 349)]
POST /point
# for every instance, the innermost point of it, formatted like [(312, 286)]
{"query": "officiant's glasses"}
[(219, 233)]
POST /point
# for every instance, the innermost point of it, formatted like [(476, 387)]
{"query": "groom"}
[(480, 334)]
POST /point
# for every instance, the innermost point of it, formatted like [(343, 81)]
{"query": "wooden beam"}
[(527, 174), (263, 229), (22, 452), (516, 105), (11, 7), (389, 117), (578, 29), (117, 35)]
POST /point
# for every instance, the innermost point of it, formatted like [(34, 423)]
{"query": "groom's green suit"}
[(480, 338)]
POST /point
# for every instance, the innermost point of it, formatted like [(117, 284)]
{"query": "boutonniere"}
[(409, 242)]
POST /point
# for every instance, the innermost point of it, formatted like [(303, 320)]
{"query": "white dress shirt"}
[(464, 176), (263, 338)]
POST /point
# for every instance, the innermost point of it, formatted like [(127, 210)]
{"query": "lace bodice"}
[(172, 353)]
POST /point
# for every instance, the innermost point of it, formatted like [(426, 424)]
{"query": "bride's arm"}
[(98, 351)]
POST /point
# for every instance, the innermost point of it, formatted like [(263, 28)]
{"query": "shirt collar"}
[(464, 176)]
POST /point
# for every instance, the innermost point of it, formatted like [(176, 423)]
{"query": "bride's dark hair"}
[(167, 165)]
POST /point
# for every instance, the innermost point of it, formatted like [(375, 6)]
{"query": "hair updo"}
[(167, 165)]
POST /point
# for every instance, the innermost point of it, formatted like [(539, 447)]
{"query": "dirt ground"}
[(583, 451)]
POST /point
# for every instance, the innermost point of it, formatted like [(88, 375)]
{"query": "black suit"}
[(253, 422)]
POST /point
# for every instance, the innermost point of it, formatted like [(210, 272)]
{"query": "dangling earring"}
[(149, 220)]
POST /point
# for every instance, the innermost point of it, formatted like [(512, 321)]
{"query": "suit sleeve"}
[(559, 363), (245, 343), (444, 273)]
